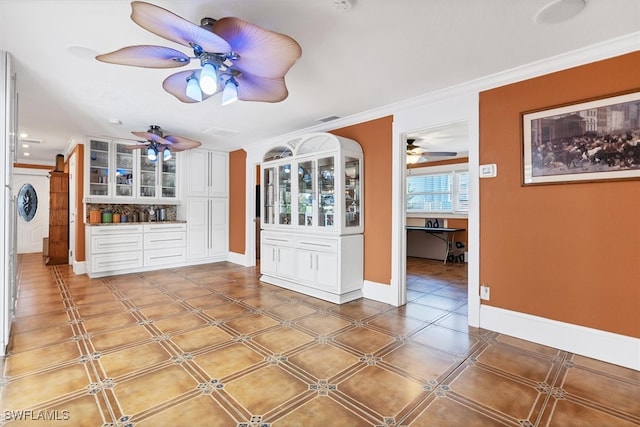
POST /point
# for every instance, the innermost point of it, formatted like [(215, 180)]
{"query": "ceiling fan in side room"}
[(417, 154), (157, 142), (242, 60)]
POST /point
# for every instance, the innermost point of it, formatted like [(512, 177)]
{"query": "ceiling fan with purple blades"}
[(242, 60)]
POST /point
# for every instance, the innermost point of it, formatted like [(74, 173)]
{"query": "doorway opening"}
[(436, 205)]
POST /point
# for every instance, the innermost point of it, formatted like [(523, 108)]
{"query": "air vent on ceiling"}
[(327, 119), (214, 131)]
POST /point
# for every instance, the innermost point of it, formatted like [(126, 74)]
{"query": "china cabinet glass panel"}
[(124, 171), (269, 214), (99, 168), (284, 194), (326, 195), (147, 175), (305, 193), (352, 192), (169, 177)]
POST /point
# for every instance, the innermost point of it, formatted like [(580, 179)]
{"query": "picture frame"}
[(588, 141)]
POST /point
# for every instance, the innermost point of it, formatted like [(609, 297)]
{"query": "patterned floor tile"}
[(212, 345)]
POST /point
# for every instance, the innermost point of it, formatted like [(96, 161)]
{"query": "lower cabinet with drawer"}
[(119, 249), (329, 268), (165, 244)]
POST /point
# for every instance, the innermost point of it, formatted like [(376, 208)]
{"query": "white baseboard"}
[(79, 267), (601, 345), (240, 259), (381, 292)]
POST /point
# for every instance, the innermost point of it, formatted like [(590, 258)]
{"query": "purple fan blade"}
[(150, 137), (262, 52), (261, 89), (175, 28), (176, 85), (180, 143), (133, 147), (146, 56)]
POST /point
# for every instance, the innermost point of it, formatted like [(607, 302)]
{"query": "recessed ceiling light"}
[(27, 154), (24, 135), (25, 145), (559, 11)]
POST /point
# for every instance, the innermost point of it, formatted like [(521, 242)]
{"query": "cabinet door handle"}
[(311, 261), (317, 267), (273, 254)]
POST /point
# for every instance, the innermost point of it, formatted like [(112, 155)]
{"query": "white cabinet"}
[(311, 215), (317, 262), (157, 180), (206, 173), (164, 244), (277, 255), (313, 184), (207, 229), (110, 170), (206, 205), (113, 248), (329, 268), (118, 249), (116, 173)]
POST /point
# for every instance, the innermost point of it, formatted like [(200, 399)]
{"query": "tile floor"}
[(212, 346)]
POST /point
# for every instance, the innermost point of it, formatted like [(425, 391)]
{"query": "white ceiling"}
[(377, 53)]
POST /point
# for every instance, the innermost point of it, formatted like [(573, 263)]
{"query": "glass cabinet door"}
[(284, 194), (305, 193), (352, 192), (124, 171), (147, 175), (99, 168), (269, 196), (169, 177), (326, 200)]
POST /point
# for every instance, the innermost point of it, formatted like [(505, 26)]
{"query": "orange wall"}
[(237, 200), (80, 249), (565, 252), (375, 138)]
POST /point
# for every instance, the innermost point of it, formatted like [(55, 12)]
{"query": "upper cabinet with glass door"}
[(111, 170), (313, 183), (117, 173)]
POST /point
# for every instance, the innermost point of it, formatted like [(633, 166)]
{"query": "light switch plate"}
[(488, 171)]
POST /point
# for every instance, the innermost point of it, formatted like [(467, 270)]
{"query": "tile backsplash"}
[(132, 212)]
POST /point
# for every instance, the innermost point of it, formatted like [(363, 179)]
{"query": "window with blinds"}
[(442, 192)]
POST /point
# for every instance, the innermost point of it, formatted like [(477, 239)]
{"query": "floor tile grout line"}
[(98, 380)]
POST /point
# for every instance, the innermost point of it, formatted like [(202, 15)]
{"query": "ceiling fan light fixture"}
[(230, 92), (208, 79), (166, 154), (193, 88), (152, 154), (413, 158)]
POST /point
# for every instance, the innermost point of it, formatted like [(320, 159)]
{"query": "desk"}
[(445, 234)]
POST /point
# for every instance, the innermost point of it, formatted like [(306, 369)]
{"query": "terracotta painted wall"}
[(80, 248), (375, 138), (565, 252), (237, 200)]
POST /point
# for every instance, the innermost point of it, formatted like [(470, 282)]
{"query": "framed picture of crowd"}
[(587, 141)]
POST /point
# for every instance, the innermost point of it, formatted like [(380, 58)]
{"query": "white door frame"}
[(445, 108), (73, 209)]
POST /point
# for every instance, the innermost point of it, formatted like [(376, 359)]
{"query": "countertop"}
[(136, 223)]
